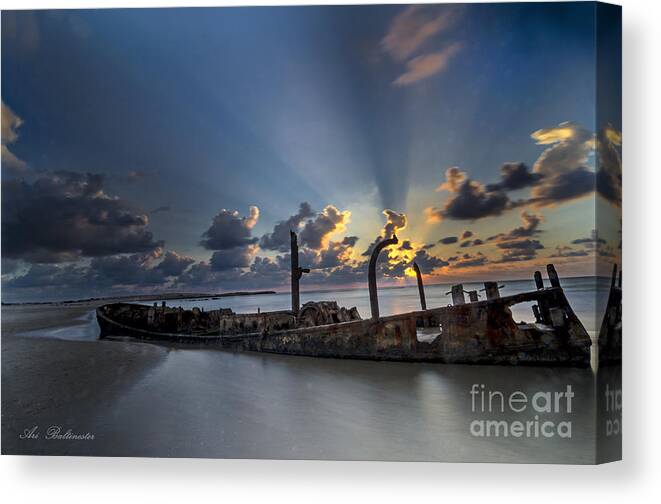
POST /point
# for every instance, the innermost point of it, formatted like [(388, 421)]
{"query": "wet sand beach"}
[(47, 381)]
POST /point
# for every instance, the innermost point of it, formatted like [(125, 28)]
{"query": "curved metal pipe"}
[(371, 273), (421, 287)]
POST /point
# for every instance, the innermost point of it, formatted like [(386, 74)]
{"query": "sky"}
[(149, 150)]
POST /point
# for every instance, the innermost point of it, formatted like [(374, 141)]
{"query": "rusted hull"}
[(474, 333)]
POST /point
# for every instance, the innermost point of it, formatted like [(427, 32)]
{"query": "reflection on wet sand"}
[(215, 404)]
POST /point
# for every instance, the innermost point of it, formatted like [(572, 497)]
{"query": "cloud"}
[(562, 166), (415, 26), (10, 125), (564, 187), (237, 257), (427, 262), (516, 256), (160, 209), (470, 200), (337, 253), (395, 221), (609, 161), (565, 251), (279, 239), (174, 264), (469, 261), (316, 232), (229, 230), (62, 216), (454, 179), (44, 276), (448, 240), (592, 244), (103, 274), (525, 244), (471, 243), (515, 176), (134, 269), (593, 241), (466, 234), (426, 65), (519, 250), (529, 227)]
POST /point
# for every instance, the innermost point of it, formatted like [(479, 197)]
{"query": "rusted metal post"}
[(458, 294), (371, 273), (421, 287), (539, 281), (491, 288), (296, 274), (553, 275)]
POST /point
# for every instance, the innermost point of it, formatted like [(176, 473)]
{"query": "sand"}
[(48, 382)]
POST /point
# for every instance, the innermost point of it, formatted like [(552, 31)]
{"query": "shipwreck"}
[(468, 332)]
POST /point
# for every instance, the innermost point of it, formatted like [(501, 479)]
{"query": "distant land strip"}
[(146, 297)]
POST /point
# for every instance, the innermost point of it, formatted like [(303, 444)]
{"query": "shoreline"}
[(94, 302)]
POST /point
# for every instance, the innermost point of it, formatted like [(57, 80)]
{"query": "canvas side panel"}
[(608, 242)]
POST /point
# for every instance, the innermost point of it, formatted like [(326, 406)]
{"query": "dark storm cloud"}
[(565, 186), (466, 234), (64, 215), (279, 239), (229, 230), (134, 269), (45, 276), (470, 199), (174, 264), (515, 176), (238, 257), (448, 240), (149, 269)]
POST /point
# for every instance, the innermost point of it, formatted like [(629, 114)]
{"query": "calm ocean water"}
[(581, 292), (208, 403)]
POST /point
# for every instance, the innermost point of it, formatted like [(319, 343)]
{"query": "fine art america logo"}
[(543, 414), (55, 432)]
